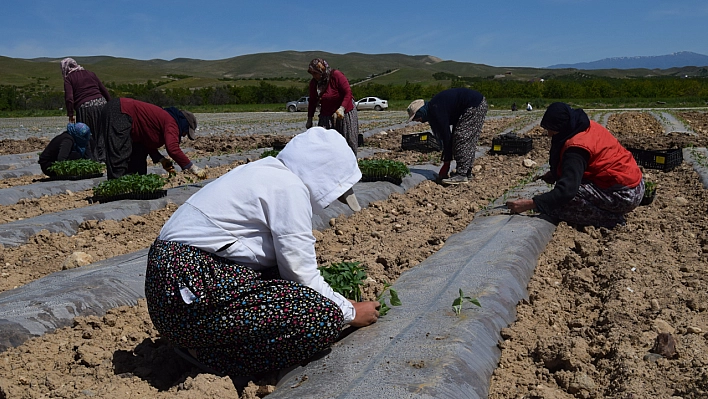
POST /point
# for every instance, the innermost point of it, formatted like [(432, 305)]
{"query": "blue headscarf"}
[(182, 123), (81, 134)]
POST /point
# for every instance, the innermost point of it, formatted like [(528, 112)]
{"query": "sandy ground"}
[(598, 302)]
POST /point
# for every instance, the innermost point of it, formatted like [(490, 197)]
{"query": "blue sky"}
[(535, 33)]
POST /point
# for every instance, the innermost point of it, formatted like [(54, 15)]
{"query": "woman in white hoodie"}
[(233, 276)]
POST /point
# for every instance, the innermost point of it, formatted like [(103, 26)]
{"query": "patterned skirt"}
[(593, 206), (90, 113), (239, 321), (347, 127)]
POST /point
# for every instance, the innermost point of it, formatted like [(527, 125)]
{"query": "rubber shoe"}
[(456, 179)]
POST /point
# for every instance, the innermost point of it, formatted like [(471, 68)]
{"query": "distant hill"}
[(675, 60), (289, 68)]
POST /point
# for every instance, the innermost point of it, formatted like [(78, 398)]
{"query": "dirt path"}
[(597, 300)]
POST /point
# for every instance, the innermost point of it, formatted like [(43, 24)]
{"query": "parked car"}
[(374, 103), (298, 105)]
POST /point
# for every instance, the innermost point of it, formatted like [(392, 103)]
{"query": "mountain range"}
[(674, 60)]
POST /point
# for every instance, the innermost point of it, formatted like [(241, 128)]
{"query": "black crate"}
[(508, 145), (424, 141), (658, 159)]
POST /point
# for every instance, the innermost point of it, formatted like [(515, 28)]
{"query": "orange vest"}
[(610, 164)]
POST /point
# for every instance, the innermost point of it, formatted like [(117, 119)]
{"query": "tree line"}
[(38, 96)]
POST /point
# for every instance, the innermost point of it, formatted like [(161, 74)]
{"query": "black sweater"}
[(58, 149), (573, 165), (445, 110)]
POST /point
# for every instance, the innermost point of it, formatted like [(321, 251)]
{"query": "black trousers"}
[(121, 155)]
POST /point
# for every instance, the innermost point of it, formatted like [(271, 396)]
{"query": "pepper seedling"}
[(457, 303), (346, 278), (393, 299), (77, 167)]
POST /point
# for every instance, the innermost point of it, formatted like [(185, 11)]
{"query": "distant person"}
[(456, 117), (72, 144), (513, 107), (597, 181), (529, 107), (130, 130), (232, 279), (330, 89), (84, 94)]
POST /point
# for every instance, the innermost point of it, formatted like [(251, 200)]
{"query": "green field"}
[(274, 67)]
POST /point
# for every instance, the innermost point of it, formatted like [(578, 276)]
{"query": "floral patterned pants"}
[(238, 322), (593, 206), (466, 136)]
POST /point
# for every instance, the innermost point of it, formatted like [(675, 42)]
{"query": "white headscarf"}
[(322, 159), (69, 65)]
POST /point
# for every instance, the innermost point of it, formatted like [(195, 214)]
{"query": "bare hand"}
[(72, 119), (366, 313), (520, 205)]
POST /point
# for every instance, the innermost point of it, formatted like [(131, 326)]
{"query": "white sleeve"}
[(290, 221)]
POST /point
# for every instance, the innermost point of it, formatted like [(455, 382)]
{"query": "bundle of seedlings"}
[(76, 169), (383, 170), (131, 187), (270, 153), (347, 278), (649, 193)]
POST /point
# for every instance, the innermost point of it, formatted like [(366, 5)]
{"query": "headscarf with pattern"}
[(320, 66), (81, 134), (69, 65)]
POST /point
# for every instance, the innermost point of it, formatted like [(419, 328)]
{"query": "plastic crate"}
[(424, 141), (658, 159), (511, 145)]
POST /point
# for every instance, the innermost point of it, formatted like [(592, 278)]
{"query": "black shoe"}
[(185, 354)]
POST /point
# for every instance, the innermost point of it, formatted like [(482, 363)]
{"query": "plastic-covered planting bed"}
[(53, 301)]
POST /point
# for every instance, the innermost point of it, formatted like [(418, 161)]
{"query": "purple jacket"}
[(80, 87)]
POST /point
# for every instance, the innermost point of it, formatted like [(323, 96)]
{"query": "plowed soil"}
[(598, 302)]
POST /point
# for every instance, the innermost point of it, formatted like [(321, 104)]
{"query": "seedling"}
[(345, 278), (269, 153), (372, 169), (457, 303), (394, 300), (130, 184), (77, 167), (649, 188)]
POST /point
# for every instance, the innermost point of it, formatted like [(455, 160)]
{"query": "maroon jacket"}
[(338, 94), (80, 87), (154, 127)]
